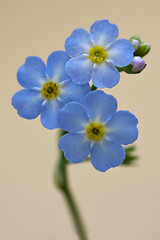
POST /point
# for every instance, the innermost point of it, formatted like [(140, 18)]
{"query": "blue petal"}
[(105, 75), (80, 69), (32, 73), (121, 52), (56, 66), (100, 106), (78, 43), (28, 103), (73, 118), (122, 127), (106, 154), (49, 113), (103, 33), (76, 147), (72, 92)]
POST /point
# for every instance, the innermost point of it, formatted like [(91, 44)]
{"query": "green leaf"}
[(130, 157)]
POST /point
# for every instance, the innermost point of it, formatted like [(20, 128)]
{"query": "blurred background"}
[(122, 203)]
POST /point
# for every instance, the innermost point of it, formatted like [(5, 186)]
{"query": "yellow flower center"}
[(97, 54), (95, 131), (50, 90)]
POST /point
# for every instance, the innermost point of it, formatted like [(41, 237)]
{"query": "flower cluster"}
[(60, 93), (140, 50)]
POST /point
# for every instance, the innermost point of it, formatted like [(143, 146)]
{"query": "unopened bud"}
[(138, 64), (143, 49), (136, 37), (135, 43)]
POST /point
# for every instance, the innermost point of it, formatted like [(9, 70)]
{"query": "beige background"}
[(123, 203)]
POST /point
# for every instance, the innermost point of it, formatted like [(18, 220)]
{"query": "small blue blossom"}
[(95, 55), (46, 88), (96, 128)]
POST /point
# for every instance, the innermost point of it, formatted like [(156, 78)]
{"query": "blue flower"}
[(47, 88), (95, 55), (96, 128)]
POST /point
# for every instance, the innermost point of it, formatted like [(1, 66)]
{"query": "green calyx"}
[(128, 69), (143, 49), (135, 37)]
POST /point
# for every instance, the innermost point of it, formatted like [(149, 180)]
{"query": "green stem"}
[(61, 181)]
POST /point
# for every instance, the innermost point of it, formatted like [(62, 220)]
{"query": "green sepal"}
[(136, 37), (143, 49), (128, 69), (130, 157), (120, 69)]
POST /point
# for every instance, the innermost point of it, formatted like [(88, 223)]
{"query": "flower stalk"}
[(61, 181)]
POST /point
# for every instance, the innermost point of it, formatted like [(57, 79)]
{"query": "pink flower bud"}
[(138, 64)]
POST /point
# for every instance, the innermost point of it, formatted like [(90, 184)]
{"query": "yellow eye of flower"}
[(95, 131), (98, 54), (50, 90)]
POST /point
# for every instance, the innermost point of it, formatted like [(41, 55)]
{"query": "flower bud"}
[(138, 64), (135, 37), (143, 49), (135, 43)]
